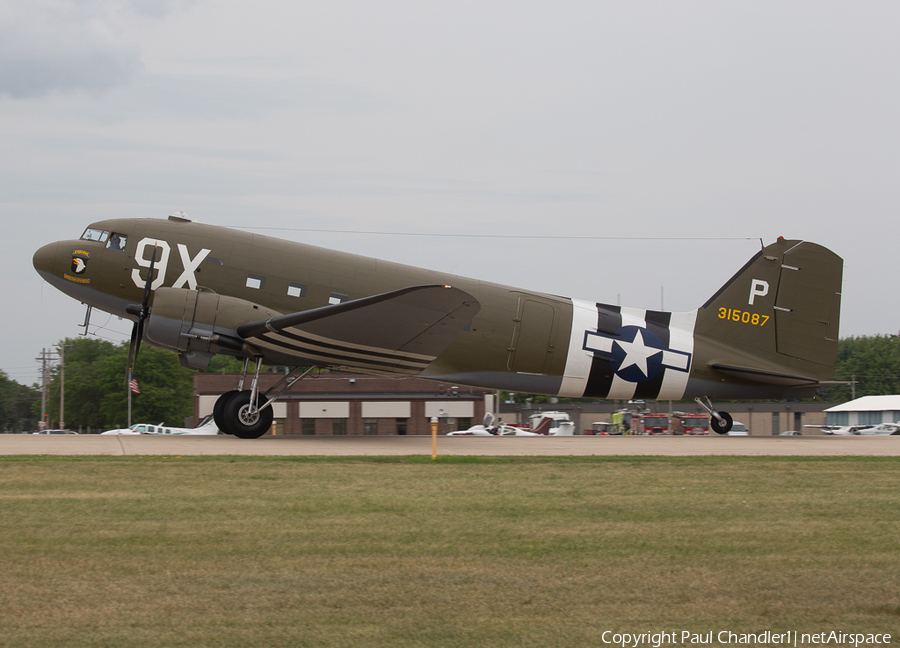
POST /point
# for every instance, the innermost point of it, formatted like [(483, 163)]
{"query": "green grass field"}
[(171, 551)]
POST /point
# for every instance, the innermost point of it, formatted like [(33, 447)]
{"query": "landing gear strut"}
[(720, 422), (246, 413)]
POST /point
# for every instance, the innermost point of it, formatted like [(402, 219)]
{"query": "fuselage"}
[(519, 340)]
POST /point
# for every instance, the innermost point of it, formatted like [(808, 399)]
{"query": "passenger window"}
[(94, 235), (116, 241), (256, 282), (296, 290)]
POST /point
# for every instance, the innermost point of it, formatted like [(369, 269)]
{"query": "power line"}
[(542, 237)]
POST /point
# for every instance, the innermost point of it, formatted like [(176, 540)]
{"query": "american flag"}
[(134, 386)]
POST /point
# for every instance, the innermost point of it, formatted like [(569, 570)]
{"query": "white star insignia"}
[(637, 353)]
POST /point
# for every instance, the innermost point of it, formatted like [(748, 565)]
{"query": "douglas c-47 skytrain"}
[(770, 332)]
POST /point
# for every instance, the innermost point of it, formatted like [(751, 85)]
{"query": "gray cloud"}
[(62, 46)]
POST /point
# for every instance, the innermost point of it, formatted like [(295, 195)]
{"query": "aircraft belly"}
[(89, 295), (505, 380)]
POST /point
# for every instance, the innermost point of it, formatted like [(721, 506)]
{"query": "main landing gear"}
[(246, 413), (720, 422)]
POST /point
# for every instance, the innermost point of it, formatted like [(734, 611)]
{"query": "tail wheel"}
[(244, 423), (219, 411), (721, 427)]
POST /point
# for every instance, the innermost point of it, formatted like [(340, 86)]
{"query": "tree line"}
[(870, 363), (96, 396)]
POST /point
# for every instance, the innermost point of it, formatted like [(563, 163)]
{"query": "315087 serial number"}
[(744, 317)]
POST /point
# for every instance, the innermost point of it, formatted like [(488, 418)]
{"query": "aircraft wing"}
[(399, 331)]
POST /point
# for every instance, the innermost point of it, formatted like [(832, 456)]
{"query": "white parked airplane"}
[(840, 430), (882, 429), (488, 428), (543, 426), (207, 426)]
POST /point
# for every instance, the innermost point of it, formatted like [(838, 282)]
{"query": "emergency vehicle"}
[(650, 424), (690, 424)]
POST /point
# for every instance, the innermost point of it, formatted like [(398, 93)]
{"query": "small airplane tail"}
[(543, 427), (776, 321)]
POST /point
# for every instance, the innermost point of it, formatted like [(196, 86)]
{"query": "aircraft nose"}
[(45, 258)]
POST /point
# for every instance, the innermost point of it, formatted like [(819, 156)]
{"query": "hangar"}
[(867, 410)]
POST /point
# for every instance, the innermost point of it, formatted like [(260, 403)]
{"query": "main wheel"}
[(243, 423), (721, 427), (219, 411)]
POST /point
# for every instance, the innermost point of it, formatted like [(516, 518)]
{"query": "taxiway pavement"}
[(821, 446)]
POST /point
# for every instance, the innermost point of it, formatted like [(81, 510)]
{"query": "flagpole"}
[(128, 387)]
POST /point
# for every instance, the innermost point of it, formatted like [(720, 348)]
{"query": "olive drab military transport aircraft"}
[(770, 332)]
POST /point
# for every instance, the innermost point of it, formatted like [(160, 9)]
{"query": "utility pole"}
[(43, 360), (62, 385)]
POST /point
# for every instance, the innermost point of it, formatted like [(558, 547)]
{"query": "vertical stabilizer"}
[(778, 314)]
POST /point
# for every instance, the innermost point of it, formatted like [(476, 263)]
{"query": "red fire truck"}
[(690, 423), (650, 424)]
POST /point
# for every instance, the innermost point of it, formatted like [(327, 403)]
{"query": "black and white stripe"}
[(592, 369)]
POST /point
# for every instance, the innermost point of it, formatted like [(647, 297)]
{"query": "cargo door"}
[(534, 336)]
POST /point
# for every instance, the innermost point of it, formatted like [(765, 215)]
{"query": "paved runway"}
[(24, 444)]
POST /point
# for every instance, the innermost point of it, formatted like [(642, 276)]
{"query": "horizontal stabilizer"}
[(765, 377), (399, 331)]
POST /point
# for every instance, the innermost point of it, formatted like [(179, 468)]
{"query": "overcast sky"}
[(725, 123)]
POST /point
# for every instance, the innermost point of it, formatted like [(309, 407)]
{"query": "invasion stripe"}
[(600, 379), (360, 360), (304, 337)]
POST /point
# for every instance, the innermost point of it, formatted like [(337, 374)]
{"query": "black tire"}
[(219, 411), (238, 421), (723, 426)]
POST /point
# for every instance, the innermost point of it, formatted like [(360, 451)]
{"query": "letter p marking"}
[(758, 288)]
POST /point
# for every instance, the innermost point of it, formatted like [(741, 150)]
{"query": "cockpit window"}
[(116, 241), (94, 235)]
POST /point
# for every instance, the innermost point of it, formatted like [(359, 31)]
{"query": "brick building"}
[(344, 403)]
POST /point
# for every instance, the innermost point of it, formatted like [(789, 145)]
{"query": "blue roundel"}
[(637, 354)]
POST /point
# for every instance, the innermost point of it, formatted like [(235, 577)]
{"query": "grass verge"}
[(258, 551)]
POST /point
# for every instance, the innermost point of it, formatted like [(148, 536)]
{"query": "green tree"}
[(873, 361), (97, 396), (84, 390), (224, 364), (16, 403)]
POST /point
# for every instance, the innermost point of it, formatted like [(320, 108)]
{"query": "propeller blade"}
[(130, 365), (142, 312), (145, 301)]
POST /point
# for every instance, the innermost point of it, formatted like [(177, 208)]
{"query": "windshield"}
[(94, 235)]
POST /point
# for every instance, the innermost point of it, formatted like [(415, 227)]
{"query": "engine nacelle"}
[(198, 324)]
